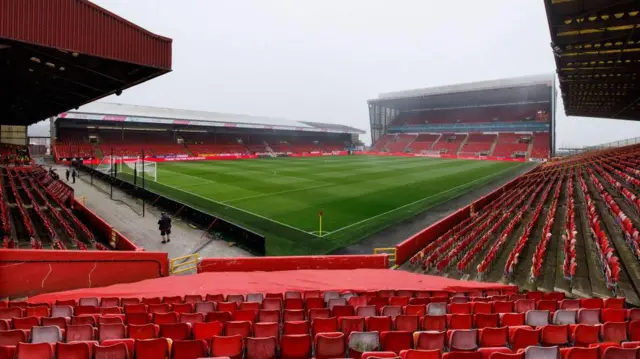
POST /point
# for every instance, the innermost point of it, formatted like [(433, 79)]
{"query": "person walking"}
[(164, 225), (66, 173), (73, 175)]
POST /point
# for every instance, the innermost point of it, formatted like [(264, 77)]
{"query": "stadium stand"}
[(450, 143), (595, 325), (479, 143), (511, 145), (424, 142)]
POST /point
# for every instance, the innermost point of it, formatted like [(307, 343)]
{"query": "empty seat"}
[(129, 301), (73, 350), (48, 334), (620, 353), (565, 317), (555, 335), (165, 318), (311, 303), (224, 346), (534, 352), (261, 348), (255, 297), (295, 328), (269, 316), (294, 303), (380, 355), (182, 308), (295, 347), (459, 308), (83, 320), (191, 318), (204, 307), (346, 311), (524, 337), (214, 298), (634, 330), (253, 306), (86, 310), (336, 301), (550, 305), (144, 331), (437, 308), (159, 308), (111, 331), (152, 348), (420, 354), (407, 323), (366, 311), (108, 302), (315, 313), (346, 325), (265, 330), (34, 351), (172, 300), (464, 340), (391, 311), (176, 331), (419, 310), (537, 318), (396, 341), (83, 332), (187, 349), (135, 308), (360, 342), (613, 315), (60, 322), (570, 304), (25, 323), (324, 325), (12, 337), (459, 321), (137, 318), (244, 315), (614, 332), (207, 330), (378, 324), (493, 337), (481, 308), (237, 328), (293, 315), (502, 307), (429, 340), (579, 353), (329, 345), (589, 316), (218, 317), (591, 303), (462, 355), (614, 303), (37, 311), (61, 311), (512, 319), (583, 335), (524, 305), (482, 320)]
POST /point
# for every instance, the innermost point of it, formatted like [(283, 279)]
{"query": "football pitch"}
[(281, 198)]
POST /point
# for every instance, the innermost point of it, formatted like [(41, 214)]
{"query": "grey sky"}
[(321, 60)]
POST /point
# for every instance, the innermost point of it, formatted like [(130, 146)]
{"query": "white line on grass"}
[(279, 192), (418, 201)]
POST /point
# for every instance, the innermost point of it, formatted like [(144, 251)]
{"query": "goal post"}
[(136, 168)]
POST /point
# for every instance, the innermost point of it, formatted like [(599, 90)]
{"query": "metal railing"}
[(184, 264), (391, 252)]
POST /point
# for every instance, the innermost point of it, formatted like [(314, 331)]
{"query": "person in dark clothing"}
[(73, 175), (164, 225), (66, 173)]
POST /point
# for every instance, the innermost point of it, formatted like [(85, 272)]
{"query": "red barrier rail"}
[(272, 264), (121, 242), (30, 272)]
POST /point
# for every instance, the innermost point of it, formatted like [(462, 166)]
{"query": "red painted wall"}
[(29, 272), (271, 264), (122, 243)]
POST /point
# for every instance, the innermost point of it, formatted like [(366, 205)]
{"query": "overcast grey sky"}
[(321, 60)]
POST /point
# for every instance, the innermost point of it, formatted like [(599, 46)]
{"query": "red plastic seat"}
[(589, 316), (244, 316), (86, 310), (204, 307), (380, 355), (462, 355), (411, 309), (620, 353), (58, 311), (378, 302), (614, 303), (262, 348), (69, 302), (111, 331), (83, 320), (556, 296), (591, 303), (108, 302), (25, 323), (613, 315), (151, 300), (227, 347), (37, 311), (396, 341), (482, 320), (570, 304), (512, 319), (34, 351), (378, 324), (614, 332), (60, 322), (420, 354), (191, 318), (242, 329), (227, 306), (159, 308), (189, 349), (507, 356), (235, 298), (137, 318), (221, 317), (329, 345), (550, 305), (429, 340), (207, 330), (293, 315), (536, 296), (434, 322), (360, 342), (346, 325), (135, 308), (634, 330), (314, 302), (265, 330), (214, 298), (12, 337), (579, 353), (324, 325), (152, 348), (73, 351), (113, 348), (295, 347), (555, 335), (110, 310), (502, 307), (524, 305), (79, 333), (172, 300), (459, 308), (482, 308), (315, 313), (176, 331), (294, 304), (488, 352), (463, 340), (344, 311), (459, 321), (144, 331), (584, 335), (269, 316), (524, 337), (295, 328), (493, 337), (183, 308), (406, 323), (165, 318), (400, 301)]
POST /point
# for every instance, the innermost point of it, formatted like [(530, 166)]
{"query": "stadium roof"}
[(59, 54), (105, 111), (493, 92), (597, 53)]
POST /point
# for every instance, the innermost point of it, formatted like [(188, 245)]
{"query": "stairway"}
[(436, 141), (464, 142), (98, 151), (494, 144), (529, 148), (187, 150)]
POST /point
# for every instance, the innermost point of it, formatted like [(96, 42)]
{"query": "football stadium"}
[(459, 233)]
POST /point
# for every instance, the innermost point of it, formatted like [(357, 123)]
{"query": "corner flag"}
[(320, 220)]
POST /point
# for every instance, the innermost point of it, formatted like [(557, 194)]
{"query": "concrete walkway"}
[(143, 231)]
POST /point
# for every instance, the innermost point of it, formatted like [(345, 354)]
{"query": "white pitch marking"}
[(279, 192)]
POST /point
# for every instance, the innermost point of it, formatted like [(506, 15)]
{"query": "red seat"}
[(570, 304), (378, 324), (107, 302), (86, 310), (166, 318), (242, 329), (324, 325), (244, 316), (507, 356), (207, 330), (204, 307), (144, 331), (84, 320), (535, 352), (214, 298), (34, 351), (111, 331), (524, 305), (391, 311), (462, 355), (183, 308), (253, 306), (482, 320), (37, 311), (614, 303), (189, 349), (176, 331), (191, 318), (493, 337), (430, 340), (463, 340), (137, 318), (110, 310), (293, 315), (524, 337), (25, 323), (343, 311), (381, 355), (60, 322), (265, 330), (227, 347), (269, 316), (235, 298), (113, 351), (80, 333), (512, 319), (152, 348), (620, 353), (583, 335), (172, 300), (482, 308), (262, 348), (502, 307), (315, 313), (634, 330), (73, 351), (69, 302), (396, 341), (614, 332), (613, 315), (536, 296), (151, 300), (295, 347), (295, 328), (57, 311), (221, 317), (550, 305), (459, 321), (555, 335), (591, 303), (579, 353), (378, 302), (411, 309), (488, 352), (329, 345), (461, 308), (135, 308), (406, 323), (346, 325), (400, 301), (631, 344), (294, 304), (314, 302), (434, 322), (557, 296), (227, 306), (420, 354), (12, 337)]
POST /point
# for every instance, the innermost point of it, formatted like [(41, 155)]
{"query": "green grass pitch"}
[(358, 195)]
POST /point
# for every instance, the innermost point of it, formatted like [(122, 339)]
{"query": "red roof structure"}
[(57, 55)]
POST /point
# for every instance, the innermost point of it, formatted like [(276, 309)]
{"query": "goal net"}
[(138, 168)]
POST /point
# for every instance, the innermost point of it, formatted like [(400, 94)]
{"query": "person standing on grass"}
[(73, 175), (66, 173), (164, 225)]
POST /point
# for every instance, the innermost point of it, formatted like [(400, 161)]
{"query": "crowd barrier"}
[(406, 249), (29, 272), (274, 264)]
